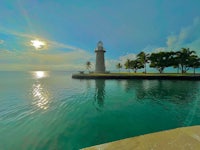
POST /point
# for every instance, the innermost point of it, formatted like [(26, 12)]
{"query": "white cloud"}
[(31, 60), (61, 45), (124, 58), (59, 56), (50, 43), (160, 49), (149, 49), (171, 41), (74, 58), (1, 41), (111, 64), (194, 45), (189, 36), (71, 58)]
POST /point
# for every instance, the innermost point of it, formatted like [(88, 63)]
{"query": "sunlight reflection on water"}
[(39, 91), (40, 96), (44, 110)]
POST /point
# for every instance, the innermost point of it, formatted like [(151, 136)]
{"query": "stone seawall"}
[(149, 77)]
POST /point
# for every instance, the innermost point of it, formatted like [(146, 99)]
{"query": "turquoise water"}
[(50, 110)]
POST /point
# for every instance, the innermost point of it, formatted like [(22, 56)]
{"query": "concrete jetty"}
[(185, 138), (148, 76)]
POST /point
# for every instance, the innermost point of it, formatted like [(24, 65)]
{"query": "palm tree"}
[(175, 61), (88, 65), (143, 59), (119, 66), (128, 64), (176, 65)]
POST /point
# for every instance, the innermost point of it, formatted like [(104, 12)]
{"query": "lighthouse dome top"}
[(100, 46)]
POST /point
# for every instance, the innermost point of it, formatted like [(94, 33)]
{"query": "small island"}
[(182, 60)]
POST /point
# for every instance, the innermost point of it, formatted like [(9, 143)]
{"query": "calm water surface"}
[(50, 110)]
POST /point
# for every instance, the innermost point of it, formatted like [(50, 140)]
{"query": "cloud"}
[(160, 49), (50, 43), (124, 58), (194, 45), (1, 41), (31, 60), (111, 64), (59, 56), (171, 40), (62, 56), (188, 36)]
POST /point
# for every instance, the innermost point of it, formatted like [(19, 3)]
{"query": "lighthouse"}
[(100, 62)]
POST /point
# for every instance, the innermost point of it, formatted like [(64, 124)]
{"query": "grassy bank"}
[(138, 74)]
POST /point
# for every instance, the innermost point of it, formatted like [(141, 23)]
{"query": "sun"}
[(38, 44), (39, 74)]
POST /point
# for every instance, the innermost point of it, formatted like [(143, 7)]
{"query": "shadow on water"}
[(99, 94)]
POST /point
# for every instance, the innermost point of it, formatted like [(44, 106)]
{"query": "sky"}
[(71, 29)]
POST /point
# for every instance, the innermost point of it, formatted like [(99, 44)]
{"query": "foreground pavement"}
[(186, 138)]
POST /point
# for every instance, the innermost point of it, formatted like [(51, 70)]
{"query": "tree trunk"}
[(135, 70), (182, 69), (160, 70)]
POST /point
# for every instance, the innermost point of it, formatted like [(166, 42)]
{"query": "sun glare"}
[(38, 44), (39, 74)]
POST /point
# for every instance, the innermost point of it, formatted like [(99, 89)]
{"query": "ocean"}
[(44, 110)]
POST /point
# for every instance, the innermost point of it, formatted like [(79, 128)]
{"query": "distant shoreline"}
[(148, 76)]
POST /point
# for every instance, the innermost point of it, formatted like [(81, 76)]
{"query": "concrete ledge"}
[(186, 138), (137, 76)]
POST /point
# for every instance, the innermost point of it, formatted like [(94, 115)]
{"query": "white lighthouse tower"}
[(100, 62)]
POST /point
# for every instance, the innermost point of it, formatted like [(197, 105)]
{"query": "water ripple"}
[(55, 111)]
